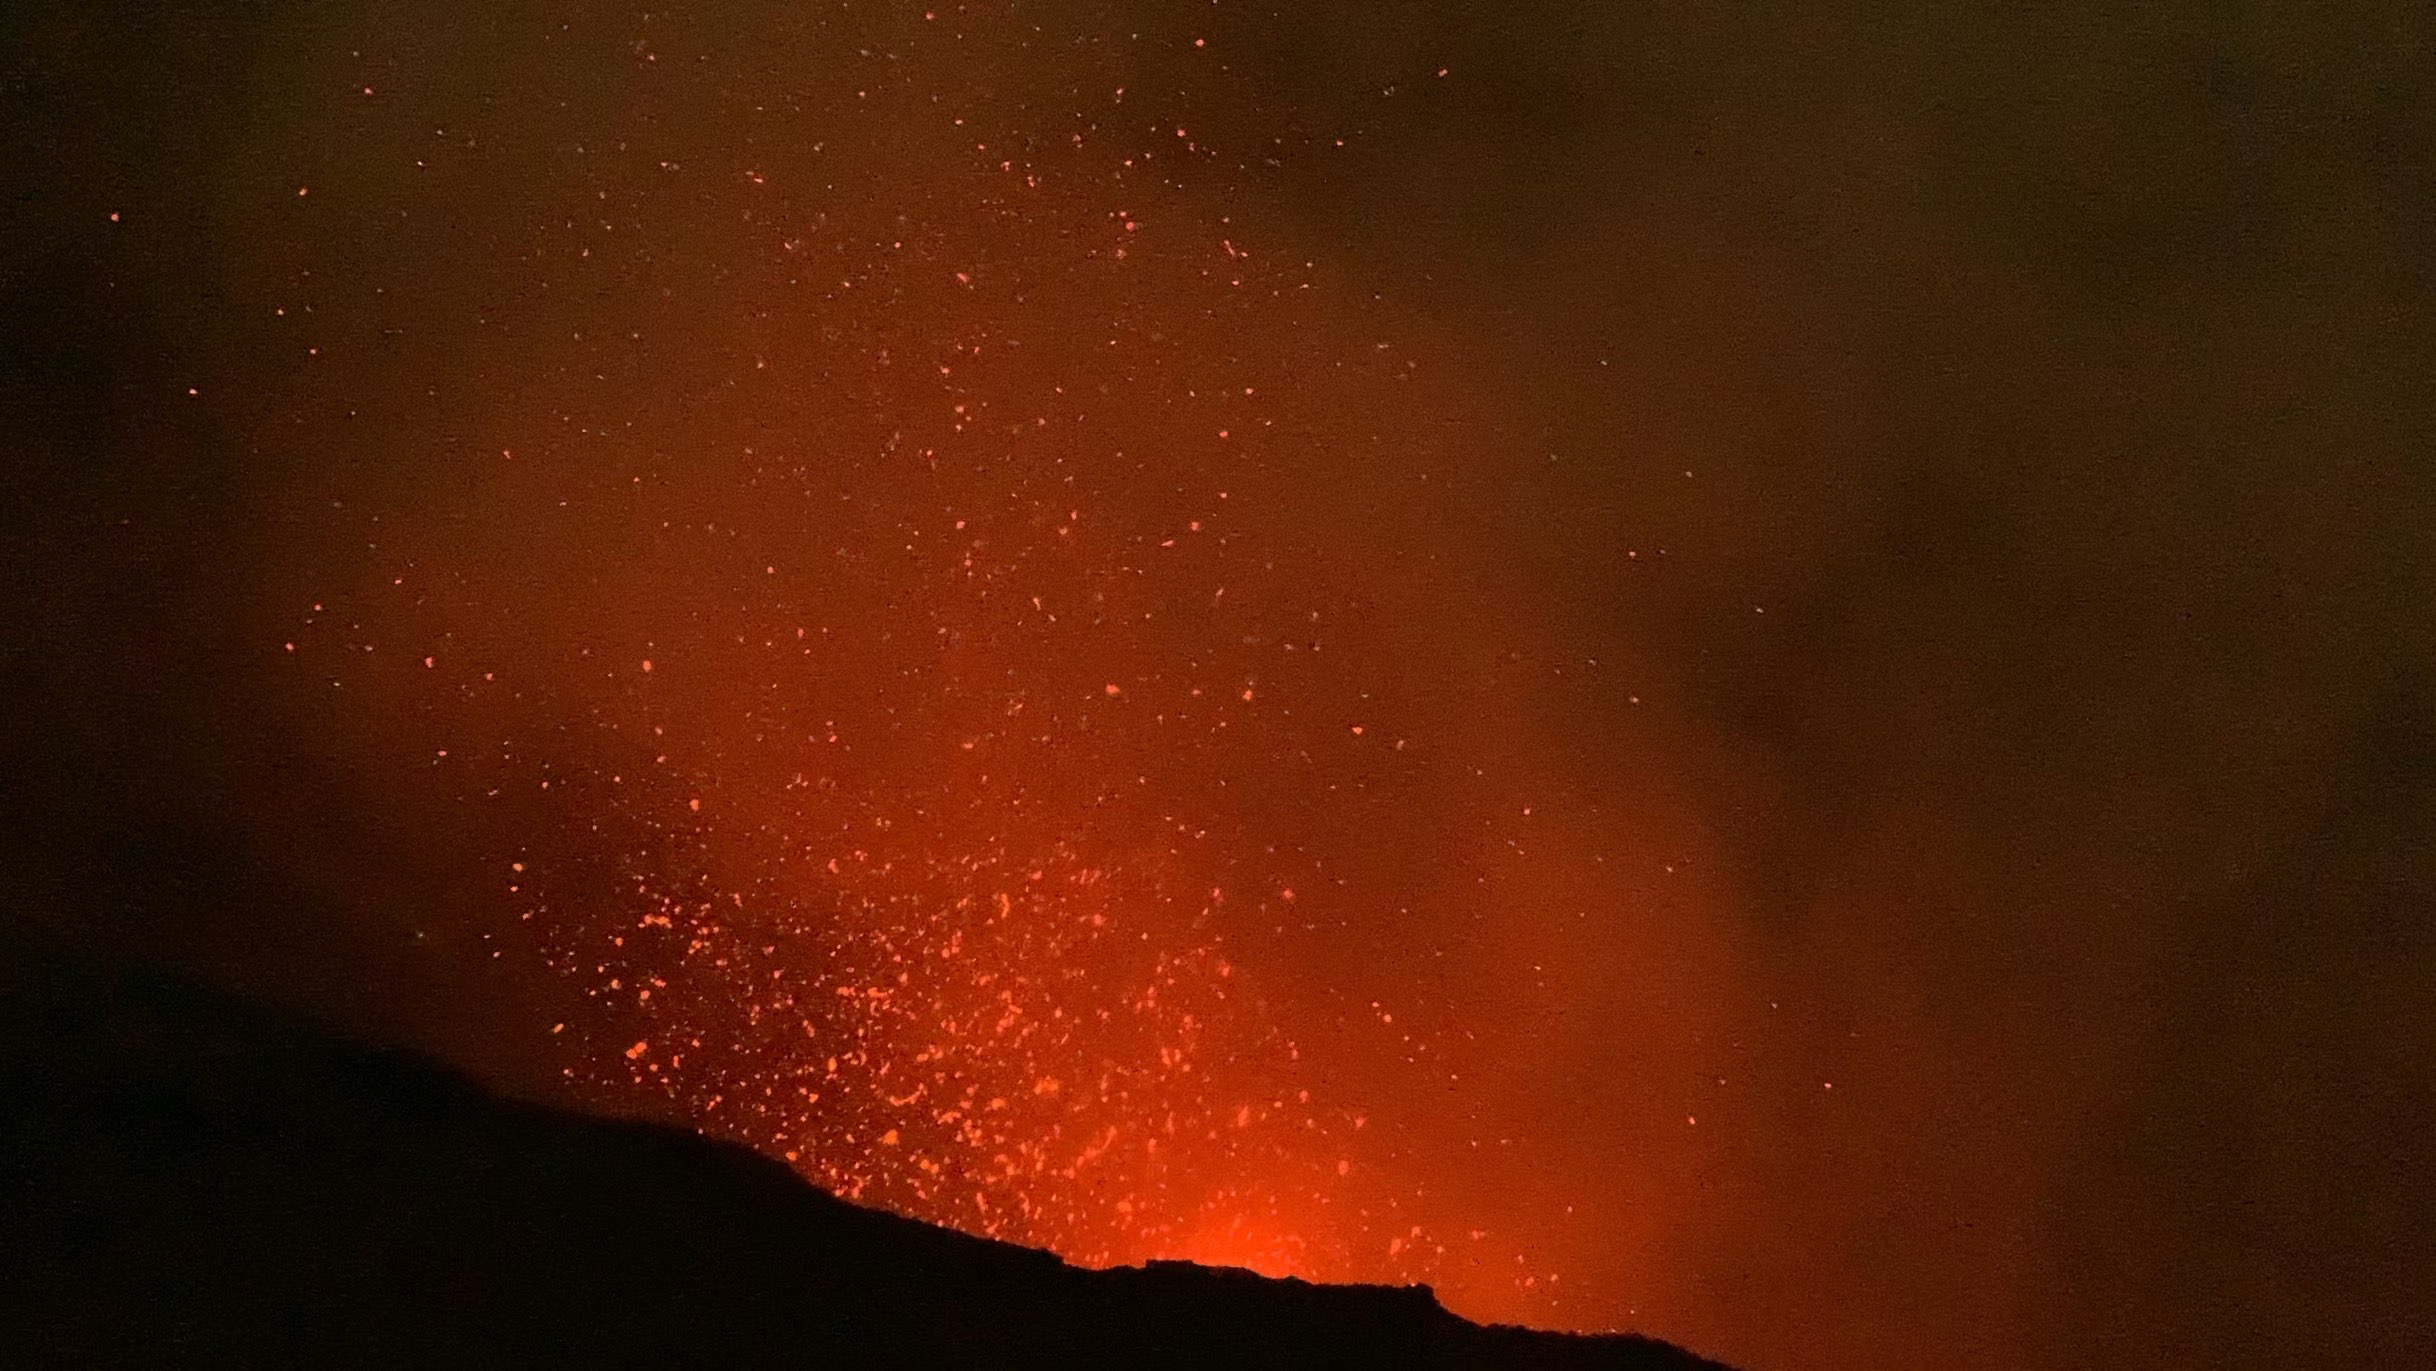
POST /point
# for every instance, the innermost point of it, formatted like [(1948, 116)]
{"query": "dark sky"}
[(1763, 676)]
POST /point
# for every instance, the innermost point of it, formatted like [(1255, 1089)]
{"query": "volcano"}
[(194, 1178)]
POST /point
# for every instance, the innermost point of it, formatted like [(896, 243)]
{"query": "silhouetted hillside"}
[(184, 1180)]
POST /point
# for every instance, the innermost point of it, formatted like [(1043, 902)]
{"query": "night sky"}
[(1769, 678)]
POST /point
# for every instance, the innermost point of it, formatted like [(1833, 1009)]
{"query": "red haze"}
[(1761, 681)]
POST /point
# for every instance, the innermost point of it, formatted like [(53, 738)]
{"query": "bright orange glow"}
[(1247, 1241)]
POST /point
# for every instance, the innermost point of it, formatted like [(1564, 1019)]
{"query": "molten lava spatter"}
[(955, 635)]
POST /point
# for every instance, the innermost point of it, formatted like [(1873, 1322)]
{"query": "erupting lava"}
[(959, 640), (1761, 678)]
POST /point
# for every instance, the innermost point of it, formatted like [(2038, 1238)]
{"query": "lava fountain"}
[(958, 640)]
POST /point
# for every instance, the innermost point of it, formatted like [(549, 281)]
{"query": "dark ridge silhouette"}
[(188, 1179)]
